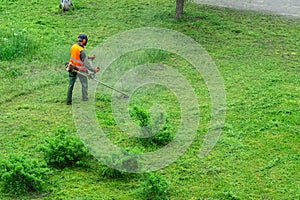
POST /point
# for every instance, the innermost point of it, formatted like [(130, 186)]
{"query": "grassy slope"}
[(257, 157)]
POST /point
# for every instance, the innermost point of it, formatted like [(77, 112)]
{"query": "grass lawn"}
[(257, 155)]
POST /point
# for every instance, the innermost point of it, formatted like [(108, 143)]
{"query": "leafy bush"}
[(141, 116), (15, 43), (164, 136), (20, 175), (154, 187), (159, 136), (64, 150)]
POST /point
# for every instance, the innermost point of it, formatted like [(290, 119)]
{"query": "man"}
[(79, 61)]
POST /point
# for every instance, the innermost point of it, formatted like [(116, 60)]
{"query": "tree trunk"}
[(179, 8)]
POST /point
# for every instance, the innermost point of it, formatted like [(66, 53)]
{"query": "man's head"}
[(83, 39)]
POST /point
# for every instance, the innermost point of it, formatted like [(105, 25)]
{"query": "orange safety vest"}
[(75, 57)]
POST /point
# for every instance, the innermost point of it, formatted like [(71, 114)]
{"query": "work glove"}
[(67, 67), (71, 67)]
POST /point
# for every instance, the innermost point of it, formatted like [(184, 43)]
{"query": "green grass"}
[(258, 56)]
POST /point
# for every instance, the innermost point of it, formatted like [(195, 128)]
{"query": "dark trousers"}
[(84, 86)]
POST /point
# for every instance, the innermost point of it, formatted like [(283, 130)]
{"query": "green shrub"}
[(64, 150), (140, 115), (159, 136), (20, 175), (15, 43), (163, 137), (154, 187)]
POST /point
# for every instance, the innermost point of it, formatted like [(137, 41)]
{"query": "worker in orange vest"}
[(79, 62)]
